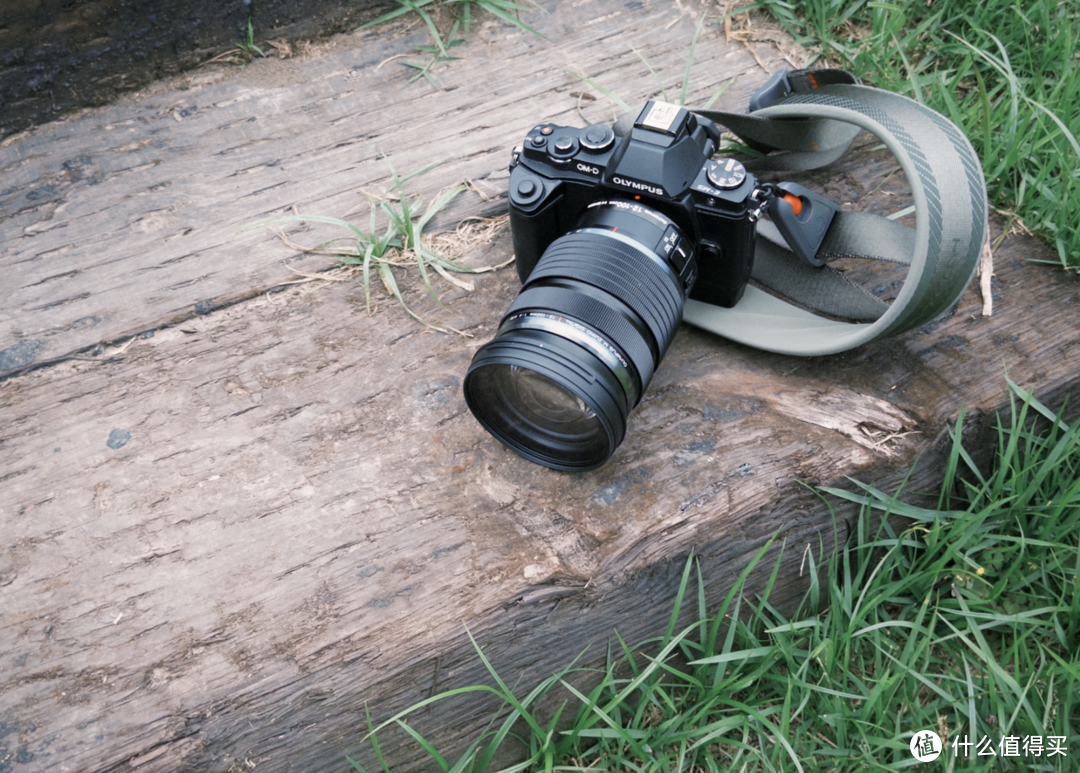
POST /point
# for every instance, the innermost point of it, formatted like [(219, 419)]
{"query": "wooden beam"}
[(224, 542)]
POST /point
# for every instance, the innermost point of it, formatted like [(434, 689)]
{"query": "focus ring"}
[(600, 317), (626, 273)]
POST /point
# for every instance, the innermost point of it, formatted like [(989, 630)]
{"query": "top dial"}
[(726, 174)]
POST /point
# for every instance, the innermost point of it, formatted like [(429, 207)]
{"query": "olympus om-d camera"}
[(612, 234)]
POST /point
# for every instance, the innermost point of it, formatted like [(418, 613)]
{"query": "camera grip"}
[(533, 218)]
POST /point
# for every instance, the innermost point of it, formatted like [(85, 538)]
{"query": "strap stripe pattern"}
[(976, 182)]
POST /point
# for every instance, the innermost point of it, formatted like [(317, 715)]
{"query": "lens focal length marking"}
[(635, 208), (572, 330)]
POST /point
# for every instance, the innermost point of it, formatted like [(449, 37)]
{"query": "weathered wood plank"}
[(305, 514), (125, 218)]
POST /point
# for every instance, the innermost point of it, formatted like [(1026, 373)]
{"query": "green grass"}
[(1007, 73), (965, 623), (394, 248), (244, 52), (248, 47), (461, 13)]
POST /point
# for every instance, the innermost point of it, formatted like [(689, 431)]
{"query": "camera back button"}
[(526, 191)]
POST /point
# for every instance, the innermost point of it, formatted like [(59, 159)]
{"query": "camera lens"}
[(579, 345)]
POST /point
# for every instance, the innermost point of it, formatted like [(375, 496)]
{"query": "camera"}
[(613, 229)]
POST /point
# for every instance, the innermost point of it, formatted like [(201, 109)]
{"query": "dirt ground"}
[(57, 56)]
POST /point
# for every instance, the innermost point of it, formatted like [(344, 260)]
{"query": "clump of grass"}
[(966, 623), (1006, 73), (503, 9), (245, 50), (247, 47), (438, 54), (461, 11), (399, 246)]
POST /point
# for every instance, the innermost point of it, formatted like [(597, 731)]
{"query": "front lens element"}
[(545, 403), (538, 417)]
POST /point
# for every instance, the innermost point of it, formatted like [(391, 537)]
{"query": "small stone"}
[(20, 354), (118, 438)]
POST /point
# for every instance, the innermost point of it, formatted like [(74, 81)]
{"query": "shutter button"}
[(562, 148), (598, 138)]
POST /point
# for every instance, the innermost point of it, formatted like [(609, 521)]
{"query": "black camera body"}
[(664, 163), (613, 231)]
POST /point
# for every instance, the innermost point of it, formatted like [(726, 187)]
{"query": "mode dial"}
[(725, 174)]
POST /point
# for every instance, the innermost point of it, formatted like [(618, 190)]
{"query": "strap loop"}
[(815, 123)]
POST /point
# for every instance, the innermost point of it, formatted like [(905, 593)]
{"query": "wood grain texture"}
[(220, 543), (126, 218), (304, 515), (58, 57)]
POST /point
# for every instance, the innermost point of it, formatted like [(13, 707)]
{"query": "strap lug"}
[(804, 232), (776, 88)]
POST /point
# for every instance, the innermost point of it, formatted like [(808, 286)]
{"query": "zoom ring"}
[(619, 269), (596, 315)]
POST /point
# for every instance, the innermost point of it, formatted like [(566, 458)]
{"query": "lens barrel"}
[(579, 345)]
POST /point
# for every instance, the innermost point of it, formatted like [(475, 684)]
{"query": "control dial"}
[(725, 174)]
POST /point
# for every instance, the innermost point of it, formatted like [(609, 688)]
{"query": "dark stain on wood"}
[(58, 57)]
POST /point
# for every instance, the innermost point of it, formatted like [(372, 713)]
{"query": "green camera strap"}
[(811, 117)]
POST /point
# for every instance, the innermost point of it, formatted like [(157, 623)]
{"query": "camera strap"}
[(811, 118)]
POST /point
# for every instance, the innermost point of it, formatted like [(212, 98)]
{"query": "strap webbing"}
[(814, 125)]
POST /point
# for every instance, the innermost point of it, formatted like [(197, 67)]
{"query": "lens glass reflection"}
[(547, 401), (547, 409)]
